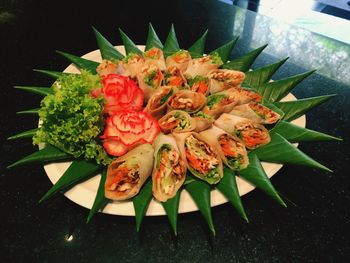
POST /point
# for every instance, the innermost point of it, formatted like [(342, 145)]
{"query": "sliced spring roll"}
[(154, 56), (169, 171), (130, 65), (179, 60), (199, 84), (127, 174), (187, 100), (252, 134), (202, 66), (107, 67), (203, 121), (221, 102), (244, 95), (232, 151), (256, 112), (202, 159), (222, 79), (156, 105), (149, 79), (173, 77), (177, 121)]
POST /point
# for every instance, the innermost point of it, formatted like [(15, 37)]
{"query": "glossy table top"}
[(310, 229)]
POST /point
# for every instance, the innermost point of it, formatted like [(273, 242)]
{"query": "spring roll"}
[(130, 65), (154, 56), (156, 105), (203, 121), (177, 121), (202, 159), (222, 79), (244, 95), (256, 112), (179, 60), (169, 171), (221, 102), (149, 79), (202, 66), (252, 134), (187, 100), (232, 151), (107, 67), (127, 174), (199, 84), (173, 77)]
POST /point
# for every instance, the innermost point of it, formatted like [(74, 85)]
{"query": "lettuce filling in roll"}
[(199, 84)]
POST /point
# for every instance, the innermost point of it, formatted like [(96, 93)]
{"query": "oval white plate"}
[(85, 192)]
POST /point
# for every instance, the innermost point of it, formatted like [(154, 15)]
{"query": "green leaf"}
[(29, 112), (107, 50), (244, 62), (78, 171), (25, 134), (171, 44), (197, 49), (260, 76), (100, 200), (37, 90), (296, 108), (141, 202), (130, 46), (47, 154), (81, 63), (225, 50), (51, 73), (276, 90), (200, 193), (279, 150), (294, 133), (228, 187), (171, 208), (153, 39), (256, 175)]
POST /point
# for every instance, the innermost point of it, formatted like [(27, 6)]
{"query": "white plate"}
[(84, 193)]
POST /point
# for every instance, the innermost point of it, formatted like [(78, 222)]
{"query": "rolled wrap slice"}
[(169, 171), (130, 65), (174, 77), (177, 121), (252, 134), (245, 95), (107, 67), (149, 79), (180, 60), (203, 121), (202, 66), (187, 100), (222, 79), (221, 102), (154, 56), (256, 112), (199, 84), (202, 159), (232, 151), (127, 174), (157, 104)]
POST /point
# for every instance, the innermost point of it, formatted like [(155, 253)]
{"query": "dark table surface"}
[(311, 229)]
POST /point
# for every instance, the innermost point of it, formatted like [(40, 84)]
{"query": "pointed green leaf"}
[(37, 90), (25, 134), (260, 76), (152, 39), (81, 63), (100, 200), (51, 73), (78, 171), (276, 90), (129, 45), (244, 62), (107, 50), (225, 50), (296, 108), (228, 187), (197, 49), (171, 208), (141, 202), (200, 193), (47, 154), (294, 133), (279, 150), (29, 112), (171, 44), (256, 175)]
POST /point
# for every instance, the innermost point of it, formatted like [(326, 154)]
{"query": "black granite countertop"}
[(311, 229)]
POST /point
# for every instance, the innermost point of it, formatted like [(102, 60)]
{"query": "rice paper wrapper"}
[(245, 111), (180, 64), (217, 109), (143, 73), (184, 122), (153, 107), (183, 98), (160, 195), (143, 155), (202, 123), (222, 79), (157, 59), (199, 66)]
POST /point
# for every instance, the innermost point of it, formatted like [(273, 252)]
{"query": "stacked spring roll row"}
[(206, 117)]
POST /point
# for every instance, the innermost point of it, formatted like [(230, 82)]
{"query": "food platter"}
[(84, 193)]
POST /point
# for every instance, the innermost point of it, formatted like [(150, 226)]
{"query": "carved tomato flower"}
[(127, 129)]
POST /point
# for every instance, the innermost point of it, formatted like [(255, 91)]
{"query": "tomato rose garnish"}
[(121, 93), (126, 129)]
